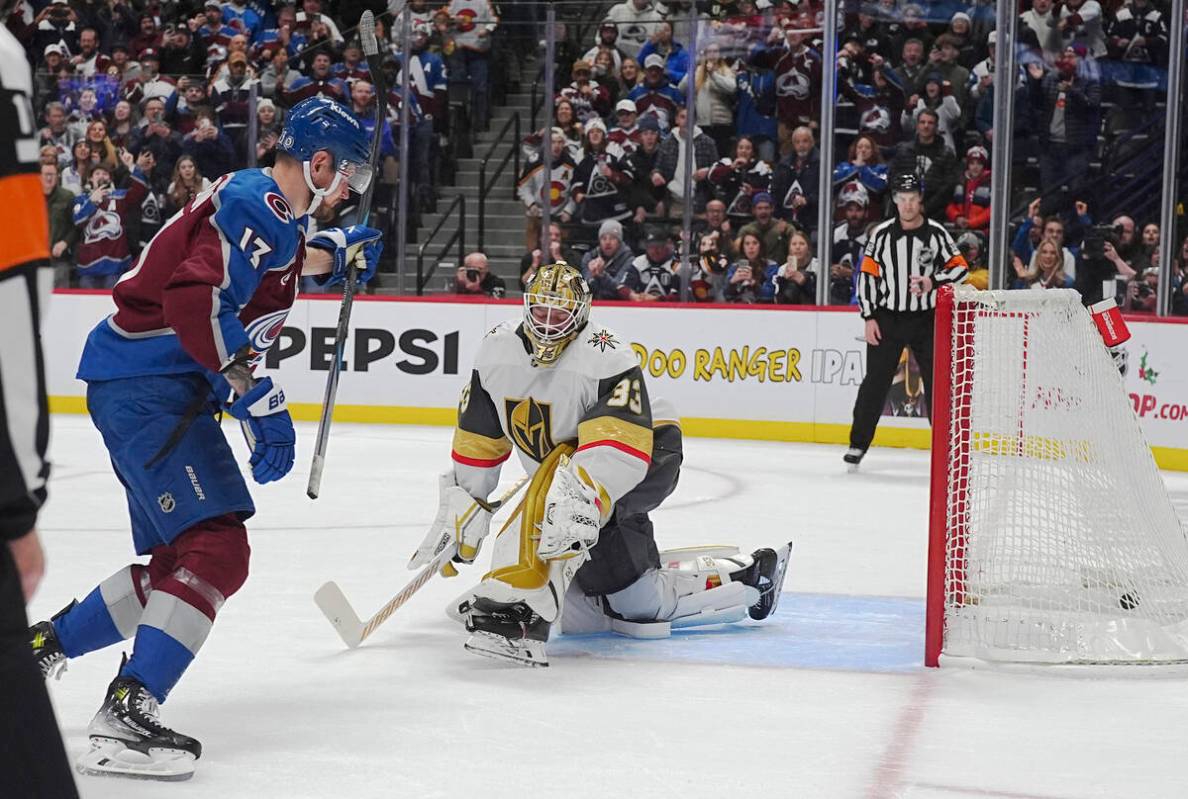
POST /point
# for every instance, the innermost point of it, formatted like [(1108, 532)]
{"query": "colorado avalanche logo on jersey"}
[(150, 210), (104, 225), (793, 190), (740, 205), (600, 186), (876, 119), (794, 84), (263, 332), (280, 209)]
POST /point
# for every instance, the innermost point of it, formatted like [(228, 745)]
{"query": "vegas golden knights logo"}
[(530, 424)]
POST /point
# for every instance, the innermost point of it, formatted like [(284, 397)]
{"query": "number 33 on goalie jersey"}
[(594, 394)]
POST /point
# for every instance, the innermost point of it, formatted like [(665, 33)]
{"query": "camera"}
[(472, 274), (1096, 238)]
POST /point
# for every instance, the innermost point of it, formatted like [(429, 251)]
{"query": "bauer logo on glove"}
[(268, 430)]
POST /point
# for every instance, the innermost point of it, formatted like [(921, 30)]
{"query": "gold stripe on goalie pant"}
[(473, 445), (610, 428), (531, 571)]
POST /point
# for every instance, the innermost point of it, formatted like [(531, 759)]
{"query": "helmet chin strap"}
[(318, 194)]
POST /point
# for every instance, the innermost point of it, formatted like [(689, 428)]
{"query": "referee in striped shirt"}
[(906, 258), (32, 759)]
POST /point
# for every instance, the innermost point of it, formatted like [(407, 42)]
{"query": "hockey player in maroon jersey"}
[(202, 305)]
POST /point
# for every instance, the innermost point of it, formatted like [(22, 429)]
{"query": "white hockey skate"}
[(128, 740)]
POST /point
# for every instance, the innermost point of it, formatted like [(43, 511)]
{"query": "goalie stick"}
[(351, 629), (374, 64)]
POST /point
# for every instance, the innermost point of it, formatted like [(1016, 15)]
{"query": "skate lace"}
[(150, 711), (52, 665)]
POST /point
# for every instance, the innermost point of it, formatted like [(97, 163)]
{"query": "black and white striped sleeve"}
[(949, 266), (871, 280), (25, 282), (24, 418)]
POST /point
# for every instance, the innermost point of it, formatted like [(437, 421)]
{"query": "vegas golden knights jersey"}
[(594, 395)]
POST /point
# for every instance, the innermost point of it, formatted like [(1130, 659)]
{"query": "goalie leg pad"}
[(705, 589), (511, 611), (674, 595)]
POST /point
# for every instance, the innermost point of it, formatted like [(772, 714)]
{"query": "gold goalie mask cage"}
[(556, 307)]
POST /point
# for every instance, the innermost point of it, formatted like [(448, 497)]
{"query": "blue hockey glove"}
[(355, 243), (268, 428)]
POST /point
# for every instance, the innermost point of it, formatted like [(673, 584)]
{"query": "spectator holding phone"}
[(102, 213), (796, 280), (752, 278)]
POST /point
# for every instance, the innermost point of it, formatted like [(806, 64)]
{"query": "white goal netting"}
[(1062, 545)]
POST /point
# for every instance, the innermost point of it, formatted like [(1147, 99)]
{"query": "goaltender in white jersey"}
[(580, 556)]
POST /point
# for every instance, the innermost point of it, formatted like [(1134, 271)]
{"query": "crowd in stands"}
[(916, 82), (141, 103)]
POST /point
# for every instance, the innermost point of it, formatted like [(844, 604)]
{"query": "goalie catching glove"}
[(575, 508), (268, 428), (461, 521), (355, 244)]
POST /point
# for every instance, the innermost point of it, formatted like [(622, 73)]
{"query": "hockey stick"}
[(351, 629), (375, 66)]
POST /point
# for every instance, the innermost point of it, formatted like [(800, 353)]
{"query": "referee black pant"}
[(899, 329), (32, 759)]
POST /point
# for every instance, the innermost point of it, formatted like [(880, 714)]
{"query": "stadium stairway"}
[(504, 234)]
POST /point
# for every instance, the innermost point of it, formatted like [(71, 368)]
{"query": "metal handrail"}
[(483, 187), (458, 237), (536, 98)]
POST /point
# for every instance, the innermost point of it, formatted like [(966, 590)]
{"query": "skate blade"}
[(524, 652), (783, 555), (109, 757), (852, 468)]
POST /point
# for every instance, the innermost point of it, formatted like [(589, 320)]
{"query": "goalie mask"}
[(556, 307)]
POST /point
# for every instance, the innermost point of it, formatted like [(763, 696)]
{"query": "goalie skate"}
[(508, 632), (128, 740), (767, 574)]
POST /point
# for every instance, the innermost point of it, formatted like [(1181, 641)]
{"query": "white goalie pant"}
[(660, 595)]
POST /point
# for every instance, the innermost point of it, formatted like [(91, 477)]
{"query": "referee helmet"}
[(906, 182)]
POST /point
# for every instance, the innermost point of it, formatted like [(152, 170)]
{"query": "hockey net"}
[(1052, 537)]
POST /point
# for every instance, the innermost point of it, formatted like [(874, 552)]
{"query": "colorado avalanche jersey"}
[(219, 278), (593, 395)]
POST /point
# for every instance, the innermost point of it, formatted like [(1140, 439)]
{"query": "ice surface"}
[(828, 699)]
